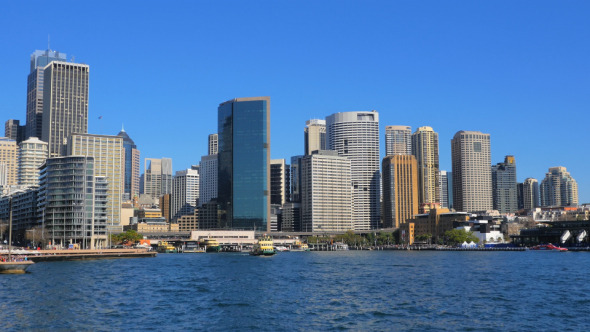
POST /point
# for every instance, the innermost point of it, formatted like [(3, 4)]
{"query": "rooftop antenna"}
[(122, 127)]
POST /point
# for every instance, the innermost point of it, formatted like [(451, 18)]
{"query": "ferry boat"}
[(299, 246), (548, 247), (166, 248), (264, 247), (192, 247), (211, 245)]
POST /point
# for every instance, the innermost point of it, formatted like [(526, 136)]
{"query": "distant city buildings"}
[(446, 189), (425, 149), (213, 144), (558, 188), (185, 193), (8, 162), (14, 131), (398, 140), (132, 162), (279, 181), (244, 164), (472, 180), (400, 189), (157, 177), (32, 154), (531, 194), (355, 135), (208, 178), (504, 188), (314, 136)]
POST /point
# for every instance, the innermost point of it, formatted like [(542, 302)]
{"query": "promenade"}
[(86, 254)]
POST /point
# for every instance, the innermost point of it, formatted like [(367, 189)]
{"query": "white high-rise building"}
[(208, 179), (425, 149), (32, 154), (558, 188), (314, 136), (472, 171), (398, 140), (8, 162), (530, 193), (157, 179), (213, 145), (185, 193), (355, 135), (326, 193)]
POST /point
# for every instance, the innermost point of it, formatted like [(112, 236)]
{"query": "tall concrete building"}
[(208, 179), (446, 189), (326, 193), (35, 83), (425, 149), (157, 177), (185, 193), (400, 189), (558, 188), (213, 145), (244, 164), (314, 136), (32, 154), (109, 162), (65, 104), (355, 135), (279, 181), (8, 162), (504, 187), (296, 179), (14, 131), (472, 178), (530, 194), (398, 140), (73, 202), (132, 161)]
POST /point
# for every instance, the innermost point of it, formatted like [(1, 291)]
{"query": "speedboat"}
[(548, 247)]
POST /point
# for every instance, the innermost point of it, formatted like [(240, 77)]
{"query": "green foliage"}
[(351, 239), (424, 237), (456, 236), (129, 236)]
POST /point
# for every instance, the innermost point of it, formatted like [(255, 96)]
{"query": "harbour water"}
[(305, 291)]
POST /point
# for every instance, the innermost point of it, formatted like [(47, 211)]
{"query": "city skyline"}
[(515, 80)]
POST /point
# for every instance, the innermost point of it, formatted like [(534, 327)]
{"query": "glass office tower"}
[(244, 163)]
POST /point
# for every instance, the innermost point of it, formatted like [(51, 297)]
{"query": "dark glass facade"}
[(244, 163)]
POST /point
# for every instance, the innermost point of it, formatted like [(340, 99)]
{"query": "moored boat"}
[(299, 246), (166, 248), (264, 247), (19, 267), (548, 247), (211, 245)]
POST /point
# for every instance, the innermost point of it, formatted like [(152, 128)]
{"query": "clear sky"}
[(518, 70)]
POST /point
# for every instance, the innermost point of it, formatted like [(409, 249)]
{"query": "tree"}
[(424, 237), (456, 236), (129, 236)]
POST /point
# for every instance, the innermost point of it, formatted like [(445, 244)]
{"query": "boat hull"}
[(15, 267)]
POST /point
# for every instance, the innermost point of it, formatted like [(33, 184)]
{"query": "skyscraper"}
[(185, 193), (558, 188), (530, 193), (314, 136), (446, 189), (157, 178), (425, 149), (398, 140), (207, 179), (472, 179), (35, 82), (132, 160), (355, 135), (8, 162), (504, 189), (32, 154), (400, 189), (326, 194), (14, 131), (296, 179), (279, 181), (213, 144), (65, 104), (244, 163), (109, 162)]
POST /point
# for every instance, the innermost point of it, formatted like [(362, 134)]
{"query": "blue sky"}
[(518, 70)]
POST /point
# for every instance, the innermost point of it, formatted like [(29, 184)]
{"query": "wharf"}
[(484, 249), (86, 254)]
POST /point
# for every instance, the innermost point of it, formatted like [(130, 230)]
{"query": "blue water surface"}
[(354, 290)]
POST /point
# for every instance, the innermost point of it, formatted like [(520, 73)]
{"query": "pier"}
[(82, 254)]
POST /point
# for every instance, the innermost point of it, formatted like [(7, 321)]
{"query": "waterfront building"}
[(208, 178), (73, 202), (185, 193), (400, 189), (189, 223), (132, 161), (504, 189), (65, 104), (35, 82), (32, 154), (279, 181), (436, 222), (398, 140), (109, 162), (24, 210), (472, 179), (296, 179), (8, 162), (244, 163), (14, 131), (326, 193), (446, 189), (314, 136), (558, 188), (213, 144), (355, 135), (530, 194), (157, 179), (425, 149)]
